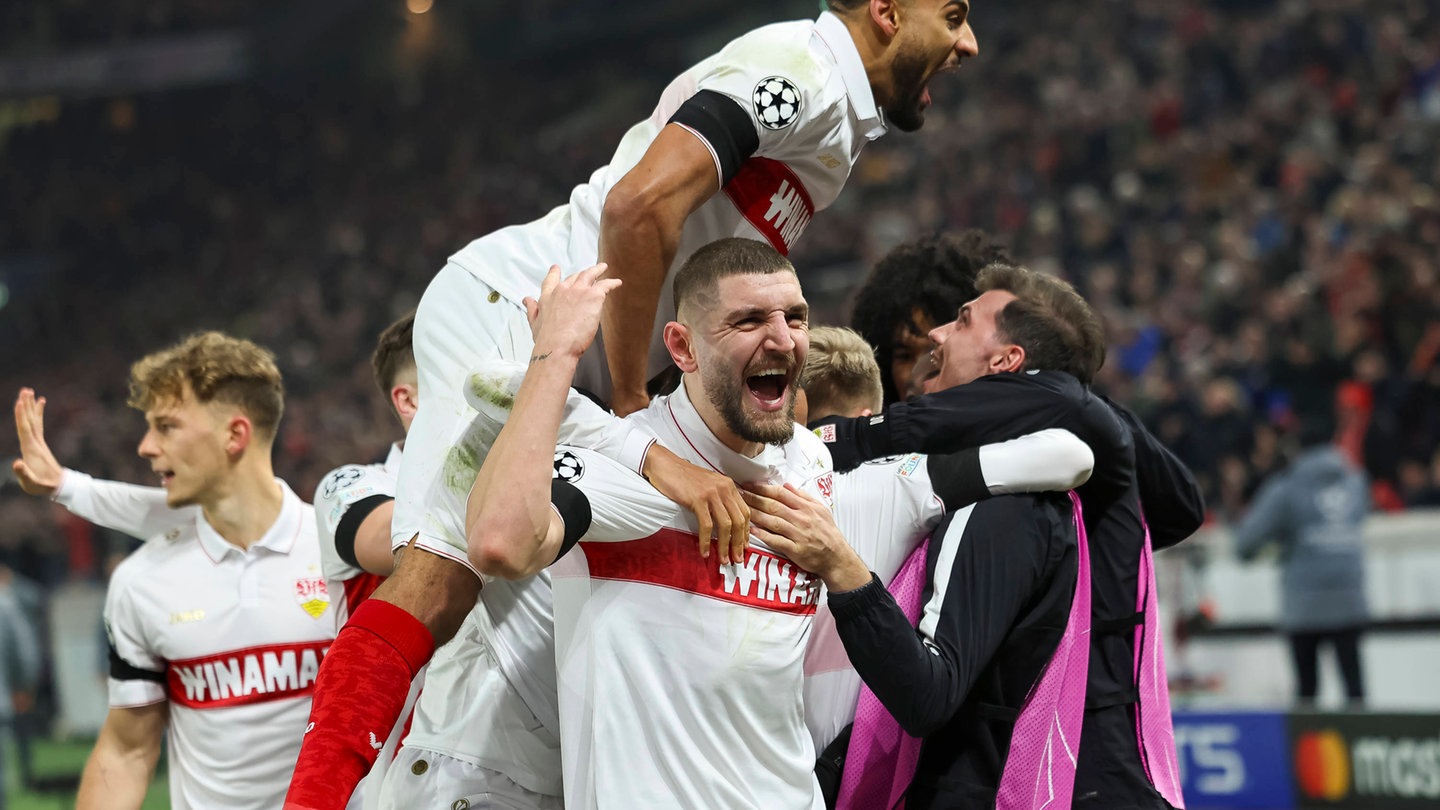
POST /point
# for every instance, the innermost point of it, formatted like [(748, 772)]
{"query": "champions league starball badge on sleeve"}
[(568, 467), (777, 102)]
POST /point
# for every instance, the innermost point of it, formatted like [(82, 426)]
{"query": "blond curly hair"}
[(213, 367)]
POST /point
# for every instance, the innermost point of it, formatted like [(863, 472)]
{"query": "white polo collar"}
[(699, 445), (832, 31), (279, 538), (392, 459)]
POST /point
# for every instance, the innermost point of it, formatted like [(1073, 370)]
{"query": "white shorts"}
[(461, 321), (424, 779)]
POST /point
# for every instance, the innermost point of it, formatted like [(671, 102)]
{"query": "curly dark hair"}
[(933, 275)]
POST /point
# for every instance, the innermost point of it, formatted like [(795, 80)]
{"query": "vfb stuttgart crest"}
[(312, 595)]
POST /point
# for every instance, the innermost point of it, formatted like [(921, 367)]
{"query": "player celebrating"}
[(658, 650), (885, 507), (775, 120), (217, 627)]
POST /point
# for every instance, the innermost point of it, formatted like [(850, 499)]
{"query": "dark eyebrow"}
[(964, 313), (963, 5), (737, 315)]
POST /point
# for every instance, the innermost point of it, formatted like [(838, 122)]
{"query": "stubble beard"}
[(727, 396), (908, 75)]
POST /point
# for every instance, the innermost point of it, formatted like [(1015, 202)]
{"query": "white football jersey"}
[(804, 87), (680, 679), (340, 489), (884, 508), (233, 640)]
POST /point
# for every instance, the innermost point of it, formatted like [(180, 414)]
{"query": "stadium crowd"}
[(1246, 191)]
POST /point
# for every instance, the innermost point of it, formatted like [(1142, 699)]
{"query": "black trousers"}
[(1305, 651)]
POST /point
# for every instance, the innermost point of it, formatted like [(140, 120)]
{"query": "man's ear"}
[(405, 398), (682, 349), (239, 432), (885, 14), (1010, 358)]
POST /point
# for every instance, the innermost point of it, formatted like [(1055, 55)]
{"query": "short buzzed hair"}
[(1048, 319), (394, 352), (841, 375), (213, 367), (697, 278)]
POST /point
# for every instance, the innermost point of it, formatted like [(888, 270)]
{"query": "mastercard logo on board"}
[(1322, 765)]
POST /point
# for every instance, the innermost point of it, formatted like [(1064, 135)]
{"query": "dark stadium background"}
[(1247, 191)]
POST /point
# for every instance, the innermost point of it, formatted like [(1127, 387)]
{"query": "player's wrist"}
[(555, 353), (847, 573)]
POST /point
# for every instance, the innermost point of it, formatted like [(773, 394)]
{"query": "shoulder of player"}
[(595, 473), (346, 477), (806, 452), (787, 50), (177, 545), (1058, 382)]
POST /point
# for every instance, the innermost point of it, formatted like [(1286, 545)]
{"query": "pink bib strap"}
[(881, 759), (1153, 726), (1040, 766)]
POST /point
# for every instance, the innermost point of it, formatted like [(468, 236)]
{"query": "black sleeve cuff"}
[(349, 526), (574, 509), (122, 670), (958, 479), (723, 124), (851, 604), (853, 442)]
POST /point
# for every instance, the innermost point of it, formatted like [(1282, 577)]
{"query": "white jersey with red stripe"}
[(233, 640), (680, 679), (804, 157), (884, 508), (342, 488)]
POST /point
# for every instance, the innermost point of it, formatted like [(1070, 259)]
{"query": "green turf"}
[(59, 758)]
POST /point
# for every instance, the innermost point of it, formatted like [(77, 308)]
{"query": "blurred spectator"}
[(20, 658), (1420, 482), (1314, 511)]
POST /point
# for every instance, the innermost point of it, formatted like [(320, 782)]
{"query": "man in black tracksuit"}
[(1130, 465)]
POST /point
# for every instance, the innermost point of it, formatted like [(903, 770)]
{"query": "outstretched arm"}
[(511, 527), (134, 510), (640, 230), (37, 470), (1052, 460)]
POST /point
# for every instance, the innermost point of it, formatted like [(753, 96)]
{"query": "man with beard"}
[(775, 120), (1127, 760), (885, 508), (679, 678)]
